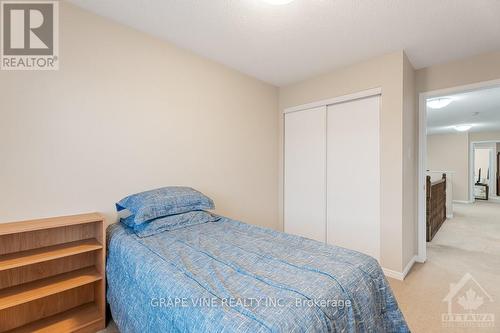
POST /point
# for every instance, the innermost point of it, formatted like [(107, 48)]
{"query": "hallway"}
[(468, 243)]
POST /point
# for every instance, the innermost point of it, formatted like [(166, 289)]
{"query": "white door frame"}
[(422, 155), (472, 167)]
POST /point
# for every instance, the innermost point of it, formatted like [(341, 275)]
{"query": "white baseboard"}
[(449, 216), (400, 275), (409, 266), (420, 259), (462, 201), (393, 274)]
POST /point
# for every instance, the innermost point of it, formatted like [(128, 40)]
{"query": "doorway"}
[(461, 182), (484, 175)]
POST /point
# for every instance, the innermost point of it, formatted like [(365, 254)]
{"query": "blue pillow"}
[(173, 222), (139, 208)]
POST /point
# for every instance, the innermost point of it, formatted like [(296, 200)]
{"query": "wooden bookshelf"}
[(52, 274), (84, 318), (24, 258)]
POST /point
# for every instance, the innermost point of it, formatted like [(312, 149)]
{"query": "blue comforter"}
[(229, 276)]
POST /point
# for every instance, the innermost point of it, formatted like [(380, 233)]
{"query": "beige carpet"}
[(468, 243)]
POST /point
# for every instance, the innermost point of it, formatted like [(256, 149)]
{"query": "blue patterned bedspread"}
[(229, 276)]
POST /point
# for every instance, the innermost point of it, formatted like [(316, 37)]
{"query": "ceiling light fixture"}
[(438, 103), (278, 2), (463, 128)]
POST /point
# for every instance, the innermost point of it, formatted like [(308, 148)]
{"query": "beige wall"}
[(484, 67), (484, 136), (385, 72), (127, 112), (410, 163), (450, 152)]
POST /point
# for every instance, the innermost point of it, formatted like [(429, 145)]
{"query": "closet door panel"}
[(304, 173), (353, 175)]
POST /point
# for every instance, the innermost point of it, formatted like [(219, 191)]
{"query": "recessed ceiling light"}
[(463, 128), (438, 103), (278, 2)]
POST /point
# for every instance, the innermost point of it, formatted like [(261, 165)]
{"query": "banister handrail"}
[(437, 182)]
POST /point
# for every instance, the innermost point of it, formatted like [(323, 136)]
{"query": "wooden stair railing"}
[(436, 206)]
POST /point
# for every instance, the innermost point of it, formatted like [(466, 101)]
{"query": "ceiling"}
[(479, 108), (285, 44)]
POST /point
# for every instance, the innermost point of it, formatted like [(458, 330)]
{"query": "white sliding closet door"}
[(304, 174), (353, 181)]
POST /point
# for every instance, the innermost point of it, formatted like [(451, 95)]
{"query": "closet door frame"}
[(321, 103), (335, 100)]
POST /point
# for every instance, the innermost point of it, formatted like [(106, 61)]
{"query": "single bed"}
[(228, 276)]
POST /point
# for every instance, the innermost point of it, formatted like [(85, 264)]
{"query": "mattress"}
[(228, 276)]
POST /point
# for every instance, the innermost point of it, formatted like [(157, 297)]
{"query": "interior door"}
[(304, 173), (353, 175)]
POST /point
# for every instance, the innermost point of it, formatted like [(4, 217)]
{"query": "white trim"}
[(420, 259), (472, 162), (422, 173), (492, 171), (463, 201), (441, 171), (326, 174), (422, 157), (472, 166), (400, 275), (461, 89), (409, 266), (449, 215), (335, 100), (393, 274)]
